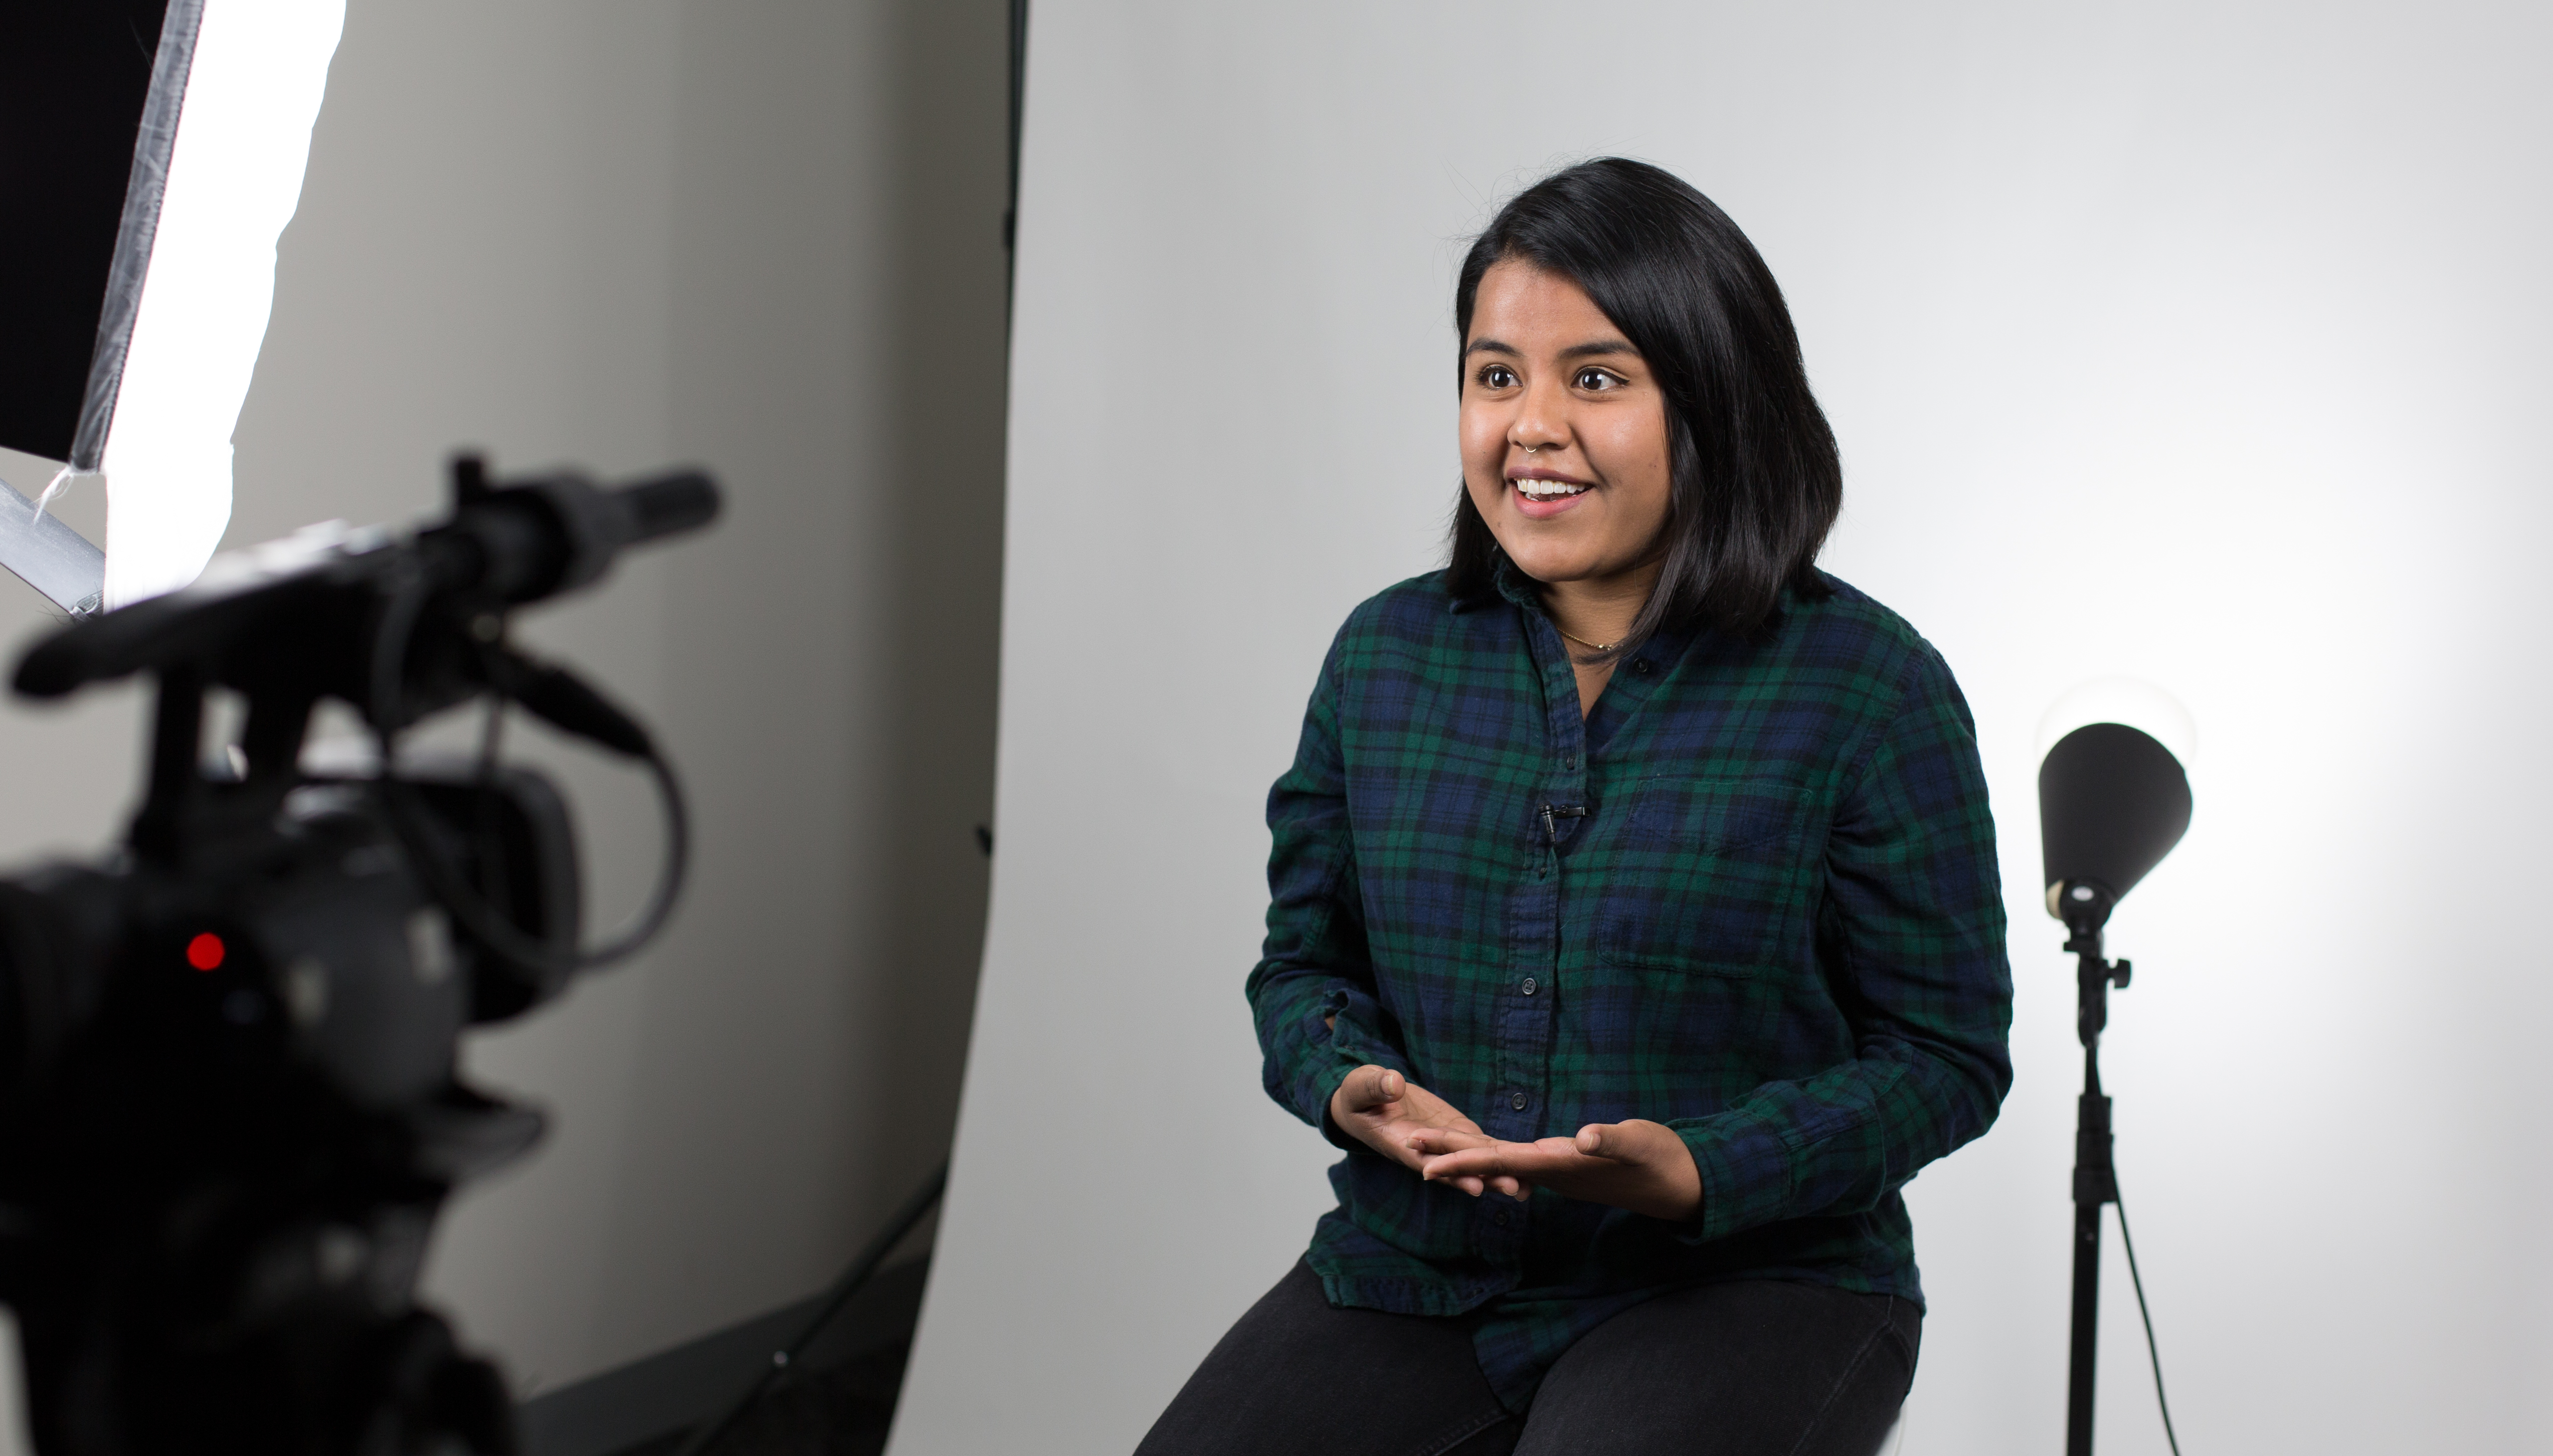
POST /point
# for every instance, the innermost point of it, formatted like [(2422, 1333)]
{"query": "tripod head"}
[(2086, 905)]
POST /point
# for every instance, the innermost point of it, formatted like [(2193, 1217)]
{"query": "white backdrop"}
[(2202, 343)]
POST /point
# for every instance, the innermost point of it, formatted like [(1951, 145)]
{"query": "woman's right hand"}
[(1387, 1112)]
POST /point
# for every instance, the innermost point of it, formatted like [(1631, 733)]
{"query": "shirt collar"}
[(1514, 584)]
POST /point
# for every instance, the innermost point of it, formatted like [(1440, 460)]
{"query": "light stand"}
[(2111, 803), (2084, 908)]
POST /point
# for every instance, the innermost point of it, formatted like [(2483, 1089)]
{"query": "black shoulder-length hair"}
[(1756, 482)]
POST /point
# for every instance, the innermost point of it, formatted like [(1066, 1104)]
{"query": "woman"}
[(1635, 925)]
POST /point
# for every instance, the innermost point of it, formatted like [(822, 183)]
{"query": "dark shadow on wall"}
[(949, 376), (867, 488)]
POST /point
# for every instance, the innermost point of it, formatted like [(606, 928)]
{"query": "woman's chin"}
[(1551, 566)]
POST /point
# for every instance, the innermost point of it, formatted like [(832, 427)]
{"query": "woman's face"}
[(1564, 431)]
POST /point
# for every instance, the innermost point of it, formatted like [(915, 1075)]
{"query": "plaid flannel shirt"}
[(1752, 896)]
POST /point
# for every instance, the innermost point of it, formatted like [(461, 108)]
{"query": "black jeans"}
[(1752, 1368)]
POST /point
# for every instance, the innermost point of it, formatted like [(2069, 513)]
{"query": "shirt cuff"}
[(1746, 1169), (1328, 1083)]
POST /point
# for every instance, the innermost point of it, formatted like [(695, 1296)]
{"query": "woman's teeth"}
[(1547, 490)]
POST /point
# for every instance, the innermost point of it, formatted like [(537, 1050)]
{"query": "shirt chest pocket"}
[(1706, 875)]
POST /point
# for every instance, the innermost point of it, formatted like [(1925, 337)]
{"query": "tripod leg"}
[(2087, 1327)]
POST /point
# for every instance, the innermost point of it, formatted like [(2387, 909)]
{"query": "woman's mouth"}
[(1541, 497)]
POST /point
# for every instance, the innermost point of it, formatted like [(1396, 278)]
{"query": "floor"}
[(838, 1410)]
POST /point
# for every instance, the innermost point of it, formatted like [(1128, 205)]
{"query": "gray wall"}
[(2198, 342), (764, 237)]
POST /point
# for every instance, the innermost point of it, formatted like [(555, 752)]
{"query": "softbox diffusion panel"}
[(150, 156)]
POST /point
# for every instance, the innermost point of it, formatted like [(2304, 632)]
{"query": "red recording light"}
[(204, 951)]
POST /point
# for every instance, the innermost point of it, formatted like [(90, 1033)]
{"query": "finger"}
[(1369, 1088), (1450, 1167), (1608, 1140), (1514, 1159), (1356, 1090), (1508, 1184), (1472, 1183), (1431, 1141), (1463, 1162)]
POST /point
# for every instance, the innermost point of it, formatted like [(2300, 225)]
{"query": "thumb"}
[(1606, 1140), (1370, 1086)]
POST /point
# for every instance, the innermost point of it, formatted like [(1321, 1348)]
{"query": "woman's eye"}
[(1498, 376), (1595, 379)]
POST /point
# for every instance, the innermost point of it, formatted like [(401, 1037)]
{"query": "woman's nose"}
[(1538, 426)]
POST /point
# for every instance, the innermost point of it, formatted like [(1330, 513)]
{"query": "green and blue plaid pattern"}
[(1752, 896)]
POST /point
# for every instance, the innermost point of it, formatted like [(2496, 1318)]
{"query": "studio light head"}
[(2113, 801), (2113, 794)]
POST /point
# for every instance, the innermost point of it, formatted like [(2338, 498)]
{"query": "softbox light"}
[(150, 154)]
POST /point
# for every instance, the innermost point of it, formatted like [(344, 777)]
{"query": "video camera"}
[(228, 1104)]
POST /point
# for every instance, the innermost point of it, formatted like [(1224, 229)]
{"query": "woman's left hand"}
[(1636, 1163)]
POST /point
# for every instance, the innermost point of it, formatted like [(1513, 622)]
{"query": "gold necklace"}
[(1582, 641)]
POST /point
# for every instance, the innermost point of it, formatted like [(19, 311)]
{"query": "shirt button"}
[(1499, 1218), (1641, 667), (1528, 986), (1568, 761), (1517, 1101)]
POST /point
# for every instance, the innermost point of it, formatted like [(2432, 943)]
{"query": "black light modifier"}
[(2111, 803)]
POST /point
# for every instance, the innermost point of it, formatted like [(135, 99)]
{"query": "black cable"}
[(493, 872), (2151, 1353), (835, 1298), (399, 612)]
